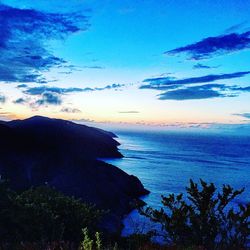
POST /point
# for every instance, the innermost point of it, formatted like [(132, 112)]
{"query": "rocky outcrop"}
[(63, 154)]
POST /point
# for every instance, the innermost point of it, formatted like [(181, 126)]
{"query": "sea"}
[(165, 161)]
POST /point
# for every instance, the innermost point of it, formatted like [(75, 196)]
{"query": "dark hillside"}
[(62, 154)]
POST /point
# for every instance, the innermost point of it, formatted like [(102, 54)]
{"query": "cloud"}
[(214, 46), (235, 27), (69, 69), (195, 92), (70, 110), (40, 90), (20, 101), (129, 112), (242, 89), (203, 92), (184, 89), (206, 91), (203, 66), (48, 98), (245, 115), (2, 99), (25, 33), (162, 83), (57, 90), (20, 86), (6, 116), (93, 67), (53, 95), (83, 120), (112, 86)]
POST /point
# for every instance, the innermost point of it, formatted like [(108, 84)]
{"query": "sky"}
[(165, 63)]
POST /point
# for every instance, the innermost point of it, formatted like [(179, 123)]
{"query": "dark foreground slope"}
[(62, 154)]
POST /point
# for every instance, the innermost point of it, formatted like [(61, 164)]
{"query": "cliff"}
[(63, 154)]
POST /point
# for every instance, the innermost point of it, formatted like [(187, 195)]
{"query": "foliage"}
[(204, 218), (43, 218), (132, 242), (90, 244), (43, 214), (98, 241), (115, 246), (8, 207), (87, 243)]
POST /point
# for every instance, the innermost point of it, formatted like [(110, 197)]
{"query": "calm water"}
[(165, 162)]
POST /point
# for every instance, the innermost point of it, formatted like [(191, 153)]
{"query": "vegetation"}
[(43, 214), (204, 218), (43, 218)]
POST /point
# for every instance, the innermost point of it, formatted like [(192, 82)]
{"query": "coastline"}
[(165, 162), (63, 155)]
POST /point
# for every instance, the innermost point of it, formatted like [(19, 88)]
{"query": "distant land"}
[(64, 155)]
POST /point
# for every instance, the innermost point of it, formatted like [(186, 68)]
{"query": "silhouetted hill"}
[(64, 155), (54, 134)]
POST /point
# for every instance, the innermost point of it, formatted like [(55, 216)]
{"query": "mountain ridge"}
[(62, 154)]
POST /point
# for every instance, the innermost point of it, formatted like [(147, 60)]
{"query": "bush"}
[(43, 214), (204, 218)]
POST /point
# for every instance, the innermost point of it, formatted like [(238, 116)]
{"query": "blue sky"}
[(167, 63)]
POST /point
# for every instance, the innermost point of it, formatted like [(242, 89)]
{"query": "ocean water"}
[(166, 161)]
